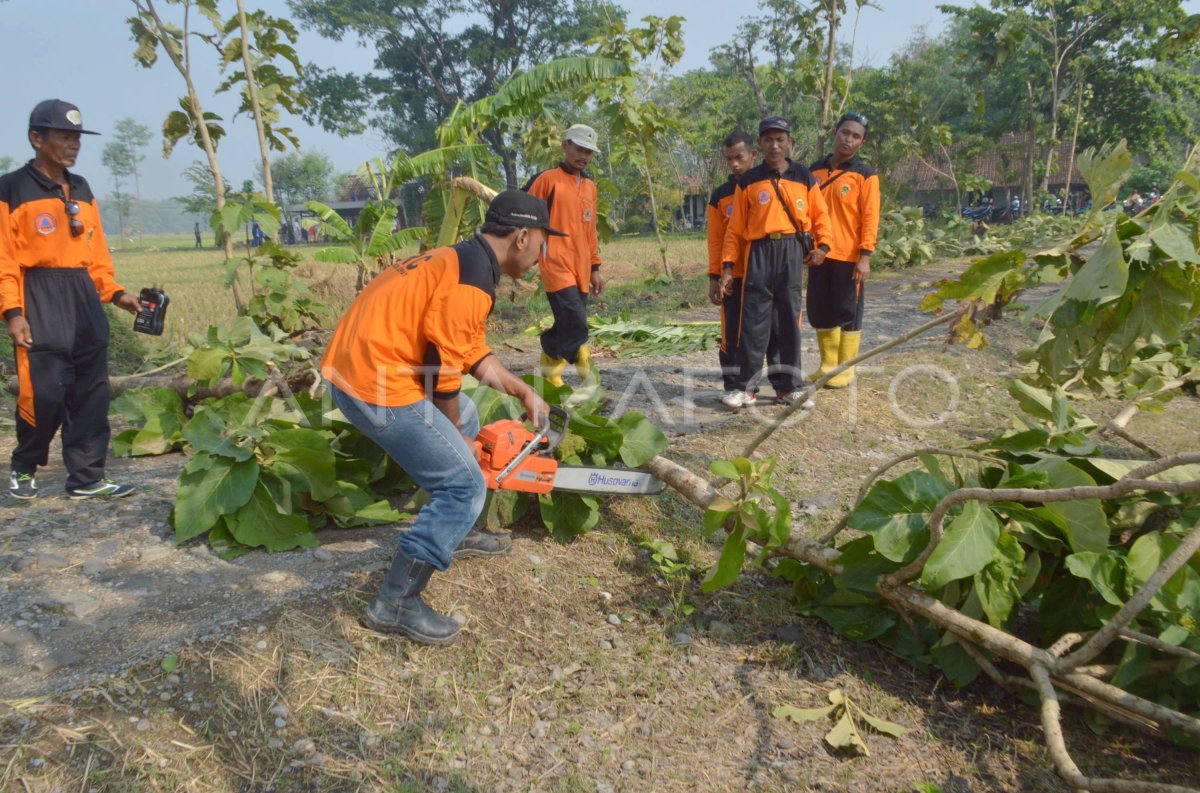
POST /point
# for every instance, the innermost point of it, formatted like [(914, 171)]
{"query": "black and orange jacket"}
[(720, 207), (417, 327), (572, 201), (851, 195), (757, 212), (35, 231)]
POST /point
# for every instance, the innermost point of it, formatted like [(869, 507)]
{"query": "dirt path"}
[(89, 588)]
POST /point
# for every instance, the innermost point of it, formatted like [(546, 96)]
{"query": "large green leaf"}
[(1100, 280), (996, 584), (258, 523), (897, 513), (1103, 570), (729, 565), (569, 514), (968, 544), (208, 432), (1084, 521), (210, 487), (158, 418), (640, 439), (306, 457)]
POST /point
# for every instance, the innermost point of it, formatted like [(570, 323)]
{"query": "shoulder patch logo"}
[(799, 204), (729, 210), (587, 214), (764, 197), (45, 223), (845, 189)]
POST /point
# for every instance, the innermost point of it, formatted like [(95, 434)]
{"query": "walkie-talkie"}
[(152, 311)]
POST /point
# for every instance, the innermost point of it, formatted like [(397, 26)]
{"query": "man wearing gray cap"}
[(55, 270), (572, 268)]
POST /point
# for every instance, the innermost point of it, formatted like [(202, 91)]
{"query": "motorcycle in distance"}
[(979, 217)]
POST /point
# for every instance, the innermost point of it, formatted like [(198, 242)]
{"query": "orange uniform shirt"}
[(757, 212), (417, 327), (851, 195), (572, 201), (35, 231), (720, 208)]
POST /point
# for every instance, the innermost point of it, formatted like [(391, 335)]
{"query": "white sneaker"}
[(792, 397), (738, 399)]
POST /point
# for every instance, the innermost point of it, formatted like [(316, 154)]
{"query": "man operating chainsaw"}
[(395, 367)]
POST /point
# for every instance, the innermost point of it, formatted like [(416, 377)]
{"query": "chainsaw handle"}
[(546, 439), (556, 427)]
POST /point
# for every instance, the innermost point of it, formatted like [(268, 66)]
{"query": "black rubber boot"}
[(482, 543), (398, 607)]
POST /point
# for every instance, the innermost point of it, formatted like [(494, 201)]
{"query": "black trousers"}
[(731, 326), (64, 376), (835, 299), (772, 299), (570, 329)]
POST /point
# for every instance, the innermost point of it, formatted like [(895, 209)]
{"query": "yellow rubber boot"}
[(552, 370), (583, 363), (827, 343), (847, 349)]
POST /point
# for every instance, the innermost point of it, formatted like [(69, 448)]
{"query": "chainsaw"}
[(513, 457)]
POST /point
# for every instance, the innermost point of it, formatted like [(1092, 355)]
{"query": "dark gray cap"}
[(774, 122), (57, 114)]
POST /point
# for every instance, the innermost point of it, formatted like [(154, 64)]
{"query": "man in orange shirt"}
[(779, 212), (395, 366), (835, 288), (572, 268), (740, 154), (55, 270)]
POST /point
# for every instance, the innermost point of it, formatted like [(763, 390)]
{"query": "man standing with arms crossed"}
[(572, 268), (55, 270), (774, 205)]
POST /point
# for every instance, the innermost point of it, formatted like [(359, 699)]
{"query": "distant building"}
[(928, 182)]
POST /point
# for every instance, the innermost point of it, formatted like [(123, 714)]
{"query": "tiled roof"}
[(1003, 166)]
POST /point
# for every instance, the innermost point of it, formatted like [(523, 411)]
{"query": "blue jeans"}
[(432, 451)]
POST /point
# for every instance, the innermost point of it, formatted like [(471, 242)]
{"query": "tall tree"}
[(122, 155), (151, 32), (302, 177), (260, 43), (432, 55), (1056, 44), (7, 163)]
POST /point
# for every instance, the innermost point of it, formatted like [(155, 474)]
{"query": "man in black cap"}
[(395, 367), (779, 211), (55, 270)]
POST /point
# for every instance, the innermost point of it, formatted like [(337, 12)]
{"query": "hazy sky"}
[(80, 51)]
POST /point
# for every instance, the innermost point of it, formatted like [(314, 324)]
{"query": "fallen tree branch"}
[(812, 388), (889, 465), (1131, 482)]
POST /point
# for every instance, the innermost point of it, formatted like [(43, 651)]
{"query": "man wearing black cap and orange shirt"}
[(777, 209), (395, 367), (55, 270), (572, 268), (835, 289)]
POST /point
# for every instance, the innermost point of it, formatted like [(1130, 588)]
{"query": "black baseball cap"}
[(520, 209), (774, 122), (57, 114)]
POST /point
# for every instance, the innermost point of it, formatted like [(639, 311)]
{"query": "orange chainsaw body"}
[(499, 443)]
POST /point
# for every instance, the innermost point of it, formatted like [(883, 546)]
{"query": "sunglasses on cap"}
[(858, 118)]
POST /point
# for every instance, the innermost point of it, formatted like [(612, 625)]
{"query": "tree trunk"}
[(752, 78), (252, 90), (137, 192), (1074, 143), (662, 245), (831, 13)]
